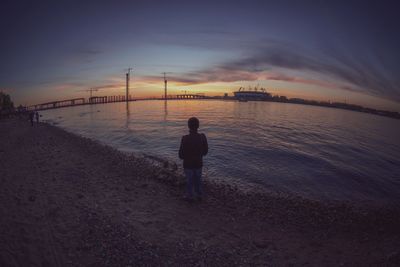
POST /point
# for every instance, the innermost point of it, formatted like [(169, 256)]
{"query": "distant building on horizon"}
[(252, 94)]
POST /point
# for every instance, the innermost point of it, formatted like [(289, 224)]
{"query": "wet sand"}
[(70, 201)]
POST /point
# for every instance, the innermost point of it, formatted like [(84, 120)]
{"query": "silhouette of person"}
[(31, 115), (37, 116), (192, 149)]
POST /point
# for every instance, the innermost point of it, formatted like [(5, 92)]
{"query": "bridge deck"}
[(106, 99)]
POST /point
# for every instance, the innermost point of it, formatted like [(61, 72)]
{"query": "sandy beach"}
[(70, 201)]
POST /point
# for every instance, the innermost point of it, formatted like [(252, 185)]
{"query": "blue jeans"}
[(193, 178)]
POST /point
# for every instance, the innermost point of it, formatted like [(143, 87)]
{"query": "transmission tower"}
[(165, 84), (128, 74)]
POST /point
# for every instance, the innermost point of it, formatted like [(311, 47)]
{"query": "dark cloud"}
[(109, 86), (88, 51), (83, 55), (328, 69)]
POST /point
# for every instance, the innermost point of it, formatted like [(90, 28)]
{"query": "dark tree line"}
[(6, 105)]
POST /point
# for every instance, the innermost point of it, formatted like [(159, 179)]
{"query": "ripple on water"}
[(311, 151)]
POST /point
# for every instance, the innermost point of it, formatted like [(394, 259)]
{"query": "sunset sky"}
[(338, 51)]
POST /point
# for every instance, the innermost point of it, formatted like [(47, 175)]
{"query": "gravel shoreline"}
[(70, 201)]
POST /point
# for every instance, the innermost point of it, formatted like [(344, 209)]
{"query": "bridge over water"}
[(107, 99), (58, 104), (191, 96)]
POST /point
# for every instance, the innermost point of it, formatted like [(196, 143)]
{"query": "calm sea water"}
[(303, 150)]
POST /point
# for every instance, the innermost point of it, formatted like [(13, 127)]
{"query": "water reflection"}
[(165, 109), (312, 151), (128, 115)]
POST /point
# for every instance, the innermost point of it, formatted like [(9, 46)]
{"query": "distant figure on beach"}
[(31, 115), (37, 116), (193, 147)]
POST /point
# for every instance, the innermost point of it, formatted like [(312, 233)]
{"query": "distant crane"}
[(90, 90), (165, 84)]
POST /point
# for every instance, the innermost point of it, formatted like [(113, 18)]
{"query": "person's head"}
[(193, 124)]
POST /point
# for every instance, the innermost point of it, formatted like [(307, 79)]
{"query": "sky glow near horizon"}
[(311, 49)]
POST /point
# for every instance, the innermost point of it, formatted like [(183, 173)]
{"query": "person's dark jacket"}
[(193, 147)]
